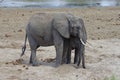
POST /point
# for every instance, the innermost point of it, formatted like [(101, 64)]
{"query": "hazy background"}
[(58, 3)]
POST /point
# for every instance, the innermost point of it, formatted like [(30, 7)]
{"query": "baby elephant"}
[(76, 44)]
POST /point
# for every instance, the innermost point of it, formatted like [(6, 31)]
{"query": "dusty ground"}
[(102, 56)]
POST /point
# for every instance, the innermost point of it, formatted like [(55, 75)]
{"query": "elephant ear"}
[(83, 34), (60, 24)]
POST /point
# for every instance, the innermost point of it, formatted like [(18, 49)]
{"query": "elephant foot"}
[(75, 63), (64, 62), (84, 67), (68, 62), (57, 64), (34, 63), (31, 61)]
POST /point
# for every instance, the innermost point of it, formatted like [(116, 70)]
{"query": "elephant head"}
[(77, 28)]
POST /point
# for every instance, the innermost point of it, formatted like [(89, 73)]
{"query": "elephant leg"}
[(83, 57), (79, 58), (33, 46), (33, 58), (69, 55), (76, 56), (65, 50), (58, 41)]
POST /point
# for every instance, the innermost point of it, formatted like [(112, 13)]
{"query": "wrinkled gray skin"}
[(47, 29), (74, 42)]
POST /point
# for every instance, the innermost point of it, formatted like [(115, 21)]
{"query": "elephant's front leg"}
[(81, 56), (58, 41), (77, 55), (65, 51)]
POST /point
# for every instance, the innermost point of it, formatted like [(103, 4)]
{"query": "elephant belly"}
[(45, 39), (42, 33), (45, 43)]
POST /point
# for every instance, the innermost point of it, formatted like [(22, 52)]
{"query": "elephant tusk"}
[(82, 42)]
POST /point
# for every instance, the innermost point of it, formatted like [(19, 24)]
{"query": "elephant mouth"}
[(74, 35), (77, 37)]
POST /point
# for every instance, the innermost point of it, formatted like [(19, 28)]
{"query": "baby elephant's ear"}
[(83, 34), (61, 25)]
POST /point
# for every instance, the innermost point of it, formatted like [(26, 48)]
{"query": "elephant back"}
[(43, 23)]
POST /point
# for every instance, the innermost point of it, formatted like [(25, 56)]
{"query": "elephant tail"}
[(24, 47)]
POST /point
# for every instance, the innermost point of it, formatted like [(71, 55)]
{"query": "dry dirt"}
[(102, 54)]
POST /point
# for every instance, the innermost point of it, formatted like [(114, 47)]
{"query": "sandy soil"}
[(102, 56)]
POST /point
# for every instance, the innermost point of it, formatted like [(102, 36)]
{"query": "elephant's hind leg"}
[(33, 46), (33, 59)]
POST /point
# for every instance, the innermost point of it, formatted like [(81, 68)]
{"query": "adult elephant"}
[(46, 29)]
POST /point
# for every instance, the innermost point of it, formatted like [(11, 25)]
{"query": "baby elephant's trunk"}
[(24, 47)]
